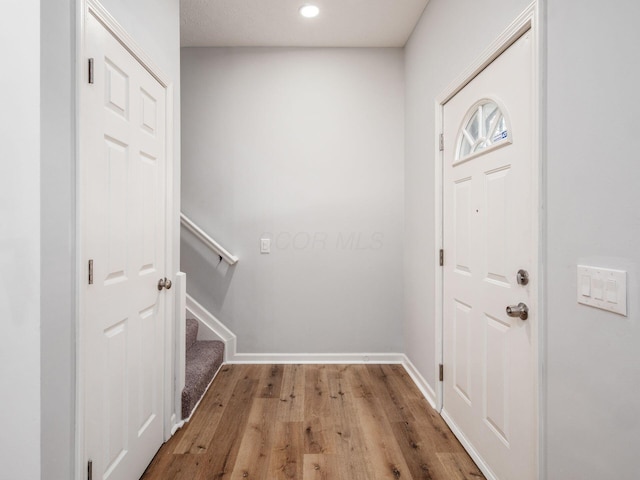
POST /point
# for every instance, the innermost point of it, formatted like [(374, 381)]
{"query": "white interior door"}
[(123, 163), (489, 385)]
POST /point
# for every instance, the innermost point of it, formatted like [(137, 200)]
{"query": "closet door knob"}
[(520, 311)]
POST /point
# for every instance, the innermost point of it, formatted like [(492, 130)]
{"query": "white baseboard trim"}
[(484, 468), (214, 329), (176, 427), (420, 382), (317, 358)]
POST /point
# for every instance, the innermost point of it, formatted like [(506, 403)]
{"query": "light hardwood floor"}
[(313, 422)]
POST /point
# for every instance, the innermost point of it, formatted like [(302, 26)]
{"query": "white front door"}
[(489, 385), (123, 165)]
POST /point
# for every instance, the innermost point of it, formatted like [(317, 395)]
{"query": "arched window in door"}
[(485, 127)]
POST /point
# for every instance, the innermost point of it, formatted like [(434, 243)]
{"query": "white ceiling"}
[(277, 23)]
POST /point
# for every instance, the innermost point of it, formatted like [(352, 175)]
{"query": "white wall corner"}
[(420, 382), (212, 328)]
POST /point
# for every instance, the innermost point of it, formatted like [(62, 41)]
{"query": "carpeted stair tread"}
[(204, 358), (192, 332)]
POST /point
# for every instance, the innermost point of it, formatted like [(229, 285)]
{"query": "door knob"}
[(164, 283), (519, 311)]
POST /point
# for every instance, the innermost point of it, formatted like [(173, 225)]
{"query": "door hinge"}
[(441, 257), (89, 470), (90, 272), (441, 373), (90, 77), (442, 142)]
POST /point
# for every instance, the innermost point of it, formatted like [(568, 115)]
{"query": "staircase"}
[(203, 360)]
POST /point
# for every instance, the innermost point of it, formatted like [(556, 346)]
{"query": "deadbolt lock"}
[(523, 277)]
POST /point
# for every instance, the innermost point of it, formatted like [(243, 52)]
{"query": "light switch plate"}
[(265, 245), (603, 288)]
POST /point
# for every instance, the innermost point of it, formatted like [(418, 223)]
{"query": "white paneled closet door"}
[(123, 165)]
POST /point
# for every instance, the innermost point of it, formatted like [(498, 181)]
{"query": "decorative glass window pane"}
[(473, 126), (485, 127)]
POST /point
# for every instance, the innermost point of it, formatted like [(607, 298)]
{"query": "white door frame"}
[(171, 417), (526, 21)]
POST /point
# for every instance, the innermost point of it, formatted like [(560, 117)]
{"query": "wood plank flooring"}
[(313, 422)]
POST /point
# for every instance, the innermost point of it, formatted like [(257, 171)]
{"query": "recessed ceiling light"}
[(309, 11)]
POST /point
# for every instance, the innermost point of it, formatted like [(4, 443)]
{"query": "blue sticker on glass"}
[(500, 136)]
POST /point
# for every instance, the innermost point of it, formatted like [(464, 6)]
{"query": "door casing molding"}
[(97, 10), (528, 20)]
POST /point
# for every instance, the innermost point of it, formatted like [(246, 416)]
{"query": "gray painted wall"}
[(593, 358), (449, 37), (20, 239), (155, 26), (304, 146)]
